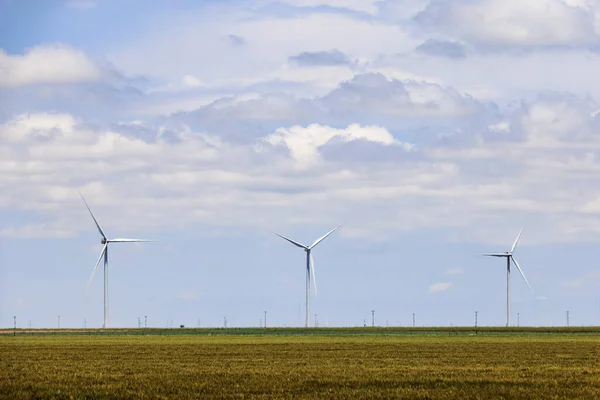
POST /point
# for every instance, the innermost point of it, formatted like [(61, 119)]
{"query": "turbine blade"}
[(292, 241), (495, 255), (122, 240), (522, 274), (92, 214), (97, 263), (324, 236), (312, 272), (517, 240)]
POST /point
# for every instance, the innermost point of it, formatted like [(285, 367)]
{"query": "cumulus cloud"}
[(501, 24), (556, 118), (477, 184), (48, 64), (39, 126), (439, 287), (304, 142), (376, 94), (368, 99)]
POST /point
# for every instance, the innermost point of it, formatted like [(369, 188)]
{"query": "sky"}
[(432, 130)]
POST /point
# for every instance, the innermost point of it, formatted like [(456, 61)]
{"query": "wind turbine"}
[(104, 254), (310, 267), (509, 257)]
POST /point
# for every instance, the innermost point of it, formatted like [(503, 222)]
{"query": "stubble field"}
[(280, 364)]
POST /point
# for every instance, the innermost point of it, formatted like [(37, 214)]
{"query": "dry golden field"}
[(281, 364)]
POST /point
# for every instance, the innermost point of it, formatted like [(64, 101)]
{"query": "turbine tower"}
[(310, 267), (104, 254), (509, 257)]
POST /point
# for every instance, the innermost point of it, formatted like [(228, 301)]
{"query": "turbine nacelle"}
[(104, 241)]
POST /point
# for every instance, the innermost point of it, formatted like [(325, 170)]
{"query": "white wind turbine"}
[(509, 257), (104, 254), (310, 267)]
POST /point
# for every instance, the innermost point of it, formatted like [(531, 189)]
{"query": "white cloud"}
[(265, 56), (304, 142), (514, 77), (514, 23), (47, 64), (37, 126), (368, 97), (377, 95), (439, 287), (479, 186), (191, 81), (552, 120)]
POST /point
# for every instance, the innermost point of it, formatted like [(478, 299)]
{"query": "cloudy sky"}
[(433, 130)]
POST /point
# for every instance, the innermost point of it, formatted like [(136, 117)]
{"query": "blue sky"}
[(433, 130)]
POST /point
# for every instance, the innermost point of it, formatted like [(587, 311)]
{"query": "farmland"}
[(299, 363)]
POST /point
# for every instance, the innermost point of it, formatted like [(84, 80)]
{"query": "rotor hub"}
[(103, 241)]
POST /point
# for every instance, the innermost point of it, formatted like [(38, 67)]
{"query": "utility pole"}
[(413, 320), (265, 319), (476, 312), (567, 318), (373, 318), (145, 321)]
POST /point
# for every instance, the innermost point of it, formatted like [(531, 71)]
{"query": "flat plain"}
[(365, 363)]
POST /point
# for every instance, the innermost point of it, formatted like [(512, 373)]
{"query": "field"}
[(297, 363)]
